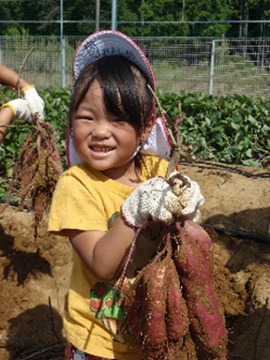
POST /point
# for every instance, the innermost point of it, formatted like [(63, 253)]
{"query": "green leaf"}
[(12, 148), (252, 120), (249, 153), (235, 126)]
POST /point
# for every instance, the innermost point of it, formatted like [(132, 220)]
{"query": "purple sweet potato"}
[(154, 326), (194, 262), (133, 303), (146, 307), (154, 335), (177, 322)]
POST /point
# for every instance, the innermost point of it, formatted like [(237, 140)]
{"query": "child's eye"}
[(120, 121), (85, 118)]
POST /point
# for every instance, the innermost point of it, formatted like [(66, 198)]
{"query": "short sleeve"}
[(75, 206)]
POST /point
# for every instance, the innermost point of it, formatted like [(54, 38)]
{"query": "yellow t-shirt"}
[(85, 199)]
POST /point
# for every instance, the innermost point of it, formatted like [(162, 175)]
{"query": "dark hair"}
[(126, 93)]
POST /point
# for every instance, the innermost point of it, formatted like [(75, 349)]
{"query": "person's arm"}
[(11, 79), (103, 253), (6, 117), (18, 109)]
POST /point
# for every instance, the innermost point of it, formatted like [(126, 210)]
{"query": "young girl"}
[(101, 201)]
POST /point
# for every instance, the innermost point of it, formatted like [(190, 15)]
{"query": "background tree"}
[(209, 11), (138, 17)]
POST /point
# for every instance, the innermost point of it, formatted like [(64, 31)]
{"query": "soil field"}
[(34, 272)]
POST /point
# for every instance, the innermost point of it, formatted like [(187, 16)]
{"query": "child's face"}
[(100, 138)]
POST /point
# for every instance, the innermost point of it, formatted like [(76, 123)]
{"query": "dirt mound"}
[(35, 272)]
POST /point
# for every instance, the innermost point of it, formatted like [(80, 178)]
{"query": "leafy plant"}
[(229, 129)]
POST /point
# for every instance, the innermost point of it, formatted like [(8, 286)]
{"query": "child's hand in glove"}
[(161, 200), (189, 195), (154, 199), (36, 104), (20, 109)]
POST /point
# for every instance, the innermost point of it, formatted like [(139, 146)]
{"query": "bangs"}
[(125, 90)]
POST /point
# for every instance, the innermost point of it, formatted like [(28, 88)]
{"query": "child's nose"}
[(101, 130)]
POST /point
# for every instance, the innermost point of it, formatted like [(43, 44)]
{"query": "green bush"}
[(228, 129)]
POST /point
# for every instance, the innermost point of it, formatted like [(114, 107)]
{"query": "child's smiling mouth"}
[(101, 149)]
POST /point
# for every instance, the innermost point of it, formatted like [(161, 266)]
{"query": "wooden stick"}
[(174, 131), (21, 69)]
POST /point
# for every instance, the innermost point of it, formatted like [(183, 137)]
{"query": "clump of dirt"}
[(35, 270)]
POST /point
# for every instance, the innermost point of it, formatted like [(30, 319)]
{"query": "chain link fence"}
[(214, 66)]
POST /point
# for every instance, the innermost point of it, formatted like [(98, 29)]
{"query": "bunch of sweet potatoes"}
[(172, 307), (37, 170)]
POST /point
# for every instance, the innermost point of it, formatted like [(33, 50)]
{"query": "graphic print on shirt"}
[(108, 305)]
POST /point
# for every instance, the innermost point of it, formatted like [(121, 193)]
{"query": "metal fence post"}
[(212, 67), (114, 14), (63, 63), (63, 50)]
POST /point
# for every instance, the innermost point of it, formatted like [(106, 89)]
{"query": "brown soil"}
[(35, 272)]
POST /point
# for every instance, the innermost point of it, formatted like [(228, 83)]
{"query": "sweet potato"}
[(154, 327), (146, 307), (176, 309), (194, 262), (184, 350), (177, 322), (154, 335), (133, 302)]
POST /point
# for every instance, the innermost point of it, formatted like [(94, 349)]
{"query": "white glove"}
[(154, 199), (36, 104), (189, 194), (20, 109)]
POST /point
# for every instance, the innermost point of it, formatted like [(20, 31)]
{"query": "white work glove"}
[(189, 195), (36, 104), (20, 109), (154, 199)]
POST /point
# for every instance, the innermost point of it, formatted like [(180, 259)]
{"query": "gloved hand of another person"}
[(36, 104), (153, 199), (20, 109)]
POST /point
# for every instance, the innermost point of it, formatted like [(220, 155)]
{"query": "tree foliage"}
[(136, 17)]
